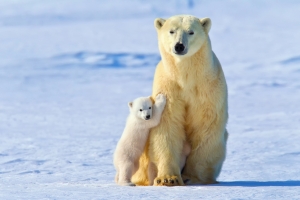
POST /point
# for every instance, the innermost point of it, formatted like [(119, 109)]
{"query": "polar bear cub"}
[(143, 116)]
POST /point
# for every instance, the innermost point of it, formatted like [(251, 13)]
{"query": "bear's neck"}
[(201, 65)]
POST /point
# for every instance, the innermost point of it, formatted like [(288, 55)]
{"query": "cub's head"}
[(141, 108), (182, 35)]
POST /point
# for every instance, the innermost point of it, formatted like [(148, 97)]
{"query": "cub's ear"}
[(206, 23), (158, 23), (130, 104)]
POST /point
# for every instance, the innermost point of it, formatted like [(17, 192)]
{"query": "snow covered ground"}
[(68, 69)]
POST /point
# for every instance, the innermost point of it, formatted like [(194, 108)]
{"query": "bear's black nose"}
[(179, 48), (148, 117)]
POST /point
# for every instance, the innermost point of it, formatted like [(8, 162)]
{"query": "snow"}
[(68, 69)]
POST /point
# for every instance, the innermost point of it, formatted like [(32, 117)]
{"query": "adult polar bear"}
[(191, 77)]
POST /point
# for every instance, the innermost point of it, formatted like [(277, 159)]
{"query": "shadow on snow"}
[(290, 183)]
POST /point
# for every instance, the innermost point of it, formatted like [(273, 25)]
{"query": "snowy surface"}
[(68, 69)]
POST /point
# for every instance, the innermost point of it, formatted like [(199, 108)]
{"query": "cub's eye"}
[(141, 110), (149, 107), (171, 32), (191, 33)]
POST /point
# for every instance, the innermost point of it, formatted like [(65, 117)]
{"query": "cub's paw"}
[(126, 184), (160, 98), (168, 181)]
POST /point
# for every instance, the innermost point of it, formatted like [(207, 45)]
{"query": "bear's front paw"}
[(168, 181), (160, 98)]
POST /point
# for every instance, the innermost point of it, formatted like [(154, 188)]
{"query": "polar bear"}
[(143, 116), (192, 78)]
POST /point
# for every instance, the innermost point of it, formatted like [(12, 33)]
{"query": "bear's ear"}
[(206, 23), (130, 104), (158, 23)]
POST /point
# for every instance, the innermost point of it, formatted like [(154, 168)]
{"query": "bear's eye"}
[(141, 110), (149, 107), (191, 33), (171, 32)]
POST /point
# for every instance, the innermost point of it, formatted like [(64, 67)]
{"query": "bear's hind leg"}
[(204, 164), (186, 150)]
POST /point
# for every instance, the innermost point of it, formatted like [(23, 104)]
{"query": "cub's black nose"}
[(148, 117), (179, 48)]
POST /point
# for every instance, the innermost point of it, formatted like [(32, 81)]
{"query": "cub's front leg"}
[(158, 108)]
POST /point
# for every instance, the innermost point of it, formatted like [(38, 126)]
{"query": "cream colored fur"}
[(134, 137), (152, 169), (196, 111)]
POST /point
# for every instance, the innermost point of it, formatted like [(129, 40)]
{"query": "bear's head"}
[(182, 35), (141, 108)]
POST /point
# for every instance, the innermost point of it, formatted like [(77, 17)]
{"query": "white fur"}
[(135, 135)]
